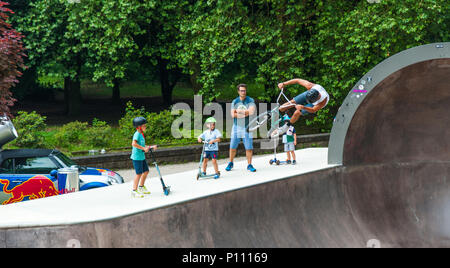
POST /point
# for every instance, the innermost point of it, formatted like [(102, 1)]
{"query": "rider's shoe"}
[(279, 131)]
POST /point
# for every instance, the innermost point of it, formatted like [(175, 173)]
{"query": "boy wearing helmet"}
[(138, 157), (309, 102), (290, 141), (212, 136)]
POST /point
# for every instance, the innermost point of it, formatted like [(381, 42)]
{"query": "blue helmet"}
[(312, 96), (139, 121)]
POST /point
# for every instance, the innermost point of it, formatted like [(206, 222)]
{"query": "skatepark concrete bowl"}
[(383, 181)]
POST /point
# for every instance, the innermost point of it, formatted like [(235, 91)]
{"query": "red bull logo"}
[(36, 187)]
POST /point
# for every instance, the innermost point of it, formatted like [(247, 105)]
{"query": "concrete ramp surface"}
[(383, 181)]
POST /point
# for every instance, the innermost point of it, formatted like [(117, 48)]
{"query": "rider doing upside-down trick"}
[(310, 101)]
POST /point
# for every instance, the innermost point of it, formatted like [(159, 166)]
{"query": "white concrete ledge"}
[(116, 201)]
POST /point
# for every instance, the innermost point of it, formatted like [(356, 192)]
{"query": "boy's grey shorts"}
[(289, 147)]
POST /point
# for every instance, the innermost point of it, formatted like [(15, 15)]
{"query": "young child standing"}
[(290, 141), (212, 136), (138, 157)]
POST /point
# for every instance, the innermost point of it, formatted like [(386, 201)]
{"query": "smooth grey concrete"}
[(399, 205)]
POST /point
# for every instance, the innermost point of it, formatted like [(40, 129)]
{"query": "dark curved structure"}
[(401, 100), (391, 139)]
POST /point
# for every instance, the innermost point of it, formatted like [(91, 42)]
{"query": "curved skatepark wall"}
[(390, 143)]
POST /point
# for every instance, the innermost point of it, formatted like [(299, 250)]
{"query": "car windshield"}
[(66, 160)]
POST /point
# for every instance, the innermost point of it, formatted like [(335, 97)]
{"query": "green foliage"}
[(79, 136), (263, 42), (106, 29), (29, 127), (126, 127), (351, 40), (99, 134), (158, 126), (71, 134)]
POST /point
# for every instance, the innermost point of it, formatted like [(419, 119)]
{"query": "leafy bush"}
[(126, 127), (81, 136), (71, 134), (99, 135), (158, 126), (29, 127)]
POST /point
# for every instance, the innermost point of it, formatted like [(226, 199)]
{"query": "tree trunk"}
[(72, 95), (196, 86), (116, 91), (165, 76), (72, 91)]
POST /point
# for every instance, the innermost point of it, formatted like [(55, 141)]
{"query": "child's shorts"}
[(289, 147), (211, 154), (140, 166)]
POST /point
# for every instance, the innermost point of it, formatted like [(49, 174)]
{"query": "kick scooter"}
[(166, 189), (200, 173)]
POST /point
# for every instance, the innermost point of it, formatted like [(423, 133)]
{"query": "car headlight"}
[(115, 179)]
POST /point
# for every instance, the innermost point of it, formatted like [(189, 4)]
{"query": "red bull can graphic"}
[(20, 188), (35, 187), (68, 180)]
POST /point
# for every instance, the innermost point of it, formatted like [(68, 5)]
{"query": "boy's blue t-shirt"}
[(208, 136), (138, 154)]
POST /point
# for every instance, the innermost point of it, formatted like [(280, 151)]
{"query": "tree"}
[(107, 30), (332, 43), (161, 22), (54, 45), (212, 33), (351, 40), (266, 39), (11, 58)]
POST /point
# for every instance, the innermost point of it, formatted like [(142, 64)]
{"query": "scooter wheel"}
[(198, 176), (271, 161), (167, 191), (278, 162)]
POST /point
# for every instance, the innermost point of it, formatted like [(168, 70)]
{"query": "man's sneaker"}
[(251, 168), (294, 162), (136, 194), (279, 131), (143, 190), (229, 167)]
